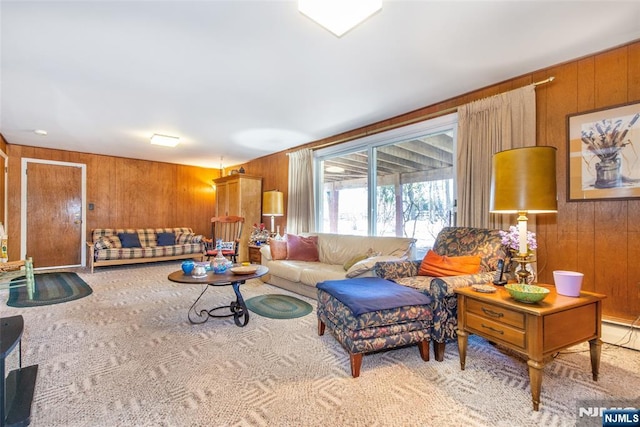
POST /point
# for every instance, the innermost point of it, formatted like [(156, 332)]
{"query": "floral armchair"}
[(451, 241)]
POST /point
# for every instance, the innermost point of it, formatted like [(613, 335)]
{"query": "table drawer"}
[(495, 313), (491, 329)]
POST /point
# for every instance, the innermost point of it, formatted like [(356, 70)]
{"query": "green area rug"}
[(50, 288), (277, 306)]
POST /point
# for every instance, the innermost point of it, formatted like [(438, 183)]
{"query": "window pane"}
[(415, 188), (344, 194)]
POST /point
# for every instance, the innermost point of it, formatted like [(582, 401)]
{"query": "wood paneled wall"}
[(126, 193), (599, 238)]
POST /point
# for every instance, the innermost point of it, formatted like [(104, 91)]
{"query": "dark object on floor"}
[(50, 288)]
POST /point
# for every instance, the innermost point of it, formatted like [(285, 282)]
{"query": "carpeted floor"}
[(127, 356)]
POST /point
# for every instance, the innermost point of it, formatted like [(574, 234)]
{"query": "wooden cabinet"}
[(240, 195)]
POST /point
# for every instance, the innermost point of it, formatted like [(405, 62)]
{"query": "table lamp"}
[(273, 206), (523, 181)]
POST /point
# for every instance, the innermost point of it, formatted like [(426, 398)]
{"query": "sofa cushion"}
[(317, 272), (148, 237), (441, 265), (166, 239), (340, 248), (302, 248), (129, 240)]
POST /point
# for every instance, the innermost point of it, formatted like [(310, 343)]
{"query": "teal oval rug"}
[(277, 306), (49, 288)]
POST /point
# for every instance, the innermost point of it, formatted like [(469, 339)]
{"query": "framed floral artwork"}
[(604, 153)]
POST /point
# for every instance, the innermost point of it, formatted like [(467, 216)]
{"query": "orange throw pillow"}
[(435, 265)]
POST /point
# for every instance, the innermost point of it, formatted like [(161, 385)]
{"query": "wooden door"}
[(54, 214)]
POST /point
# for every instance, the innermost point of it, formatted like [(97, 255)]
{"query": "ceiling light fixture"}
[(40, 132), (165, 140), (339, 16)]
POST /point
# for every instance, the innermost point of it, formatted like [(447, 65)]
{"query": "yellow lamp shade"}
[(273, 203), (524, 180)]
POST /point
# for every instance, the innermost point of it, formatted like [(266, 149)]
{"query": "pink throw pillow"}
[(302, 248), (278, 249)]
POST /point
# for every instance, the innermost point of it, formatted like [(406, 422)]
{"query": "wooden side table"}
[(534, 330), (255, 257)]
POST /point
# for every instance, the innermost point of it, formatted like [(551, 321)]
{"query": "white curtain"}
[(300, 205), (493, 124)]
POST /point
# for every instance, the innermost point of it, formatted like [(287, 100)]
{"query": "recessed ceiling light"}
[(339, 16), (40, 132), (334, 169), (165, 140)]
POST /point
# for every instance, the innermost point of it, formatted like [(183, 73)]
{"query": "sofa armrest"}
[(392, 270), (265, 251), (444, 286)]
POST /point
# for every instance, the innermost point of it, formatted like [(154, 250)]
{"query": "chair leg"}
[(438, 350), (356, 362), (423, 346), (320, 327)]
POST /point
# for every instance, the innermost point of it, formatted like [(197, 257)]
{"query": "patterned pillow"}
[(186, 238), (115, 242), (368, 264), (103, 243)]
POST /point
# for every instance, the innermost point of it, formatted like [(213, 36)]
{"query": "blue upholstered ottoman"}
[(372, 314)]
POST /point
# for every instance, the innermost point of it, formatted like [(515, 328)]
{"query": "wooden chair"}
[(228, 229)]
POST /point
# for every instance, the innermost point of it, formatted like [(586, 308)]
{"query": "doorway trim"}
[(5, 201), (23, 207)]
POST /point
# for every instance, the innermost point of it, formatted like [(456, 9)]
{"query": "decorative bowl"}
[(526, 293), (244, 270)]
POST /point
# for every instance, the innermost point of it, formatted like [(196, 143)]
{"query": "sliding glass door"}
[(398, 183)]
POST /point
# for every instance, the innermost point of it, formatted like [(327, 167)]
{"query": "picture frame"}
[(603, 147)]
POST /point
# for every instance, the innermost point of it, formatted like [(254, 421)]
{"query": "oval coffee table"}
[(238, 308)]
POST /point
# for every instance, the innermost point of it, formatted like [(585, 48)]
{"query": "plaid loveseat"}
[(155, 244), (451, 241)]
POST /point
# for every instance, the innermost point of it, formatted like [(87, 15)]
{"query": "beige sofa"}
[(334, 250)]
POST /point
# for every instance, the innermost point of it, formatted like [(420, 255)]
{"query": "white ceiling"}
[(242, 79)]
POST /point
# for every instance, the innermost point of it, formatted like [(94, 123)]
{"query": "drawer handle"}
[(492, 329), (492, 313)]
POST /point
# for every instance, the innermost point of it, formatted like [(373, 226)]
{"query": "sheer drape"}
[(300, 205), (485, 127)]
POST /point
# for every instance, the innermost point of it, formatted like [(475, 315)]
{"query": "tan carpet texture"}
[(127, 356)]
